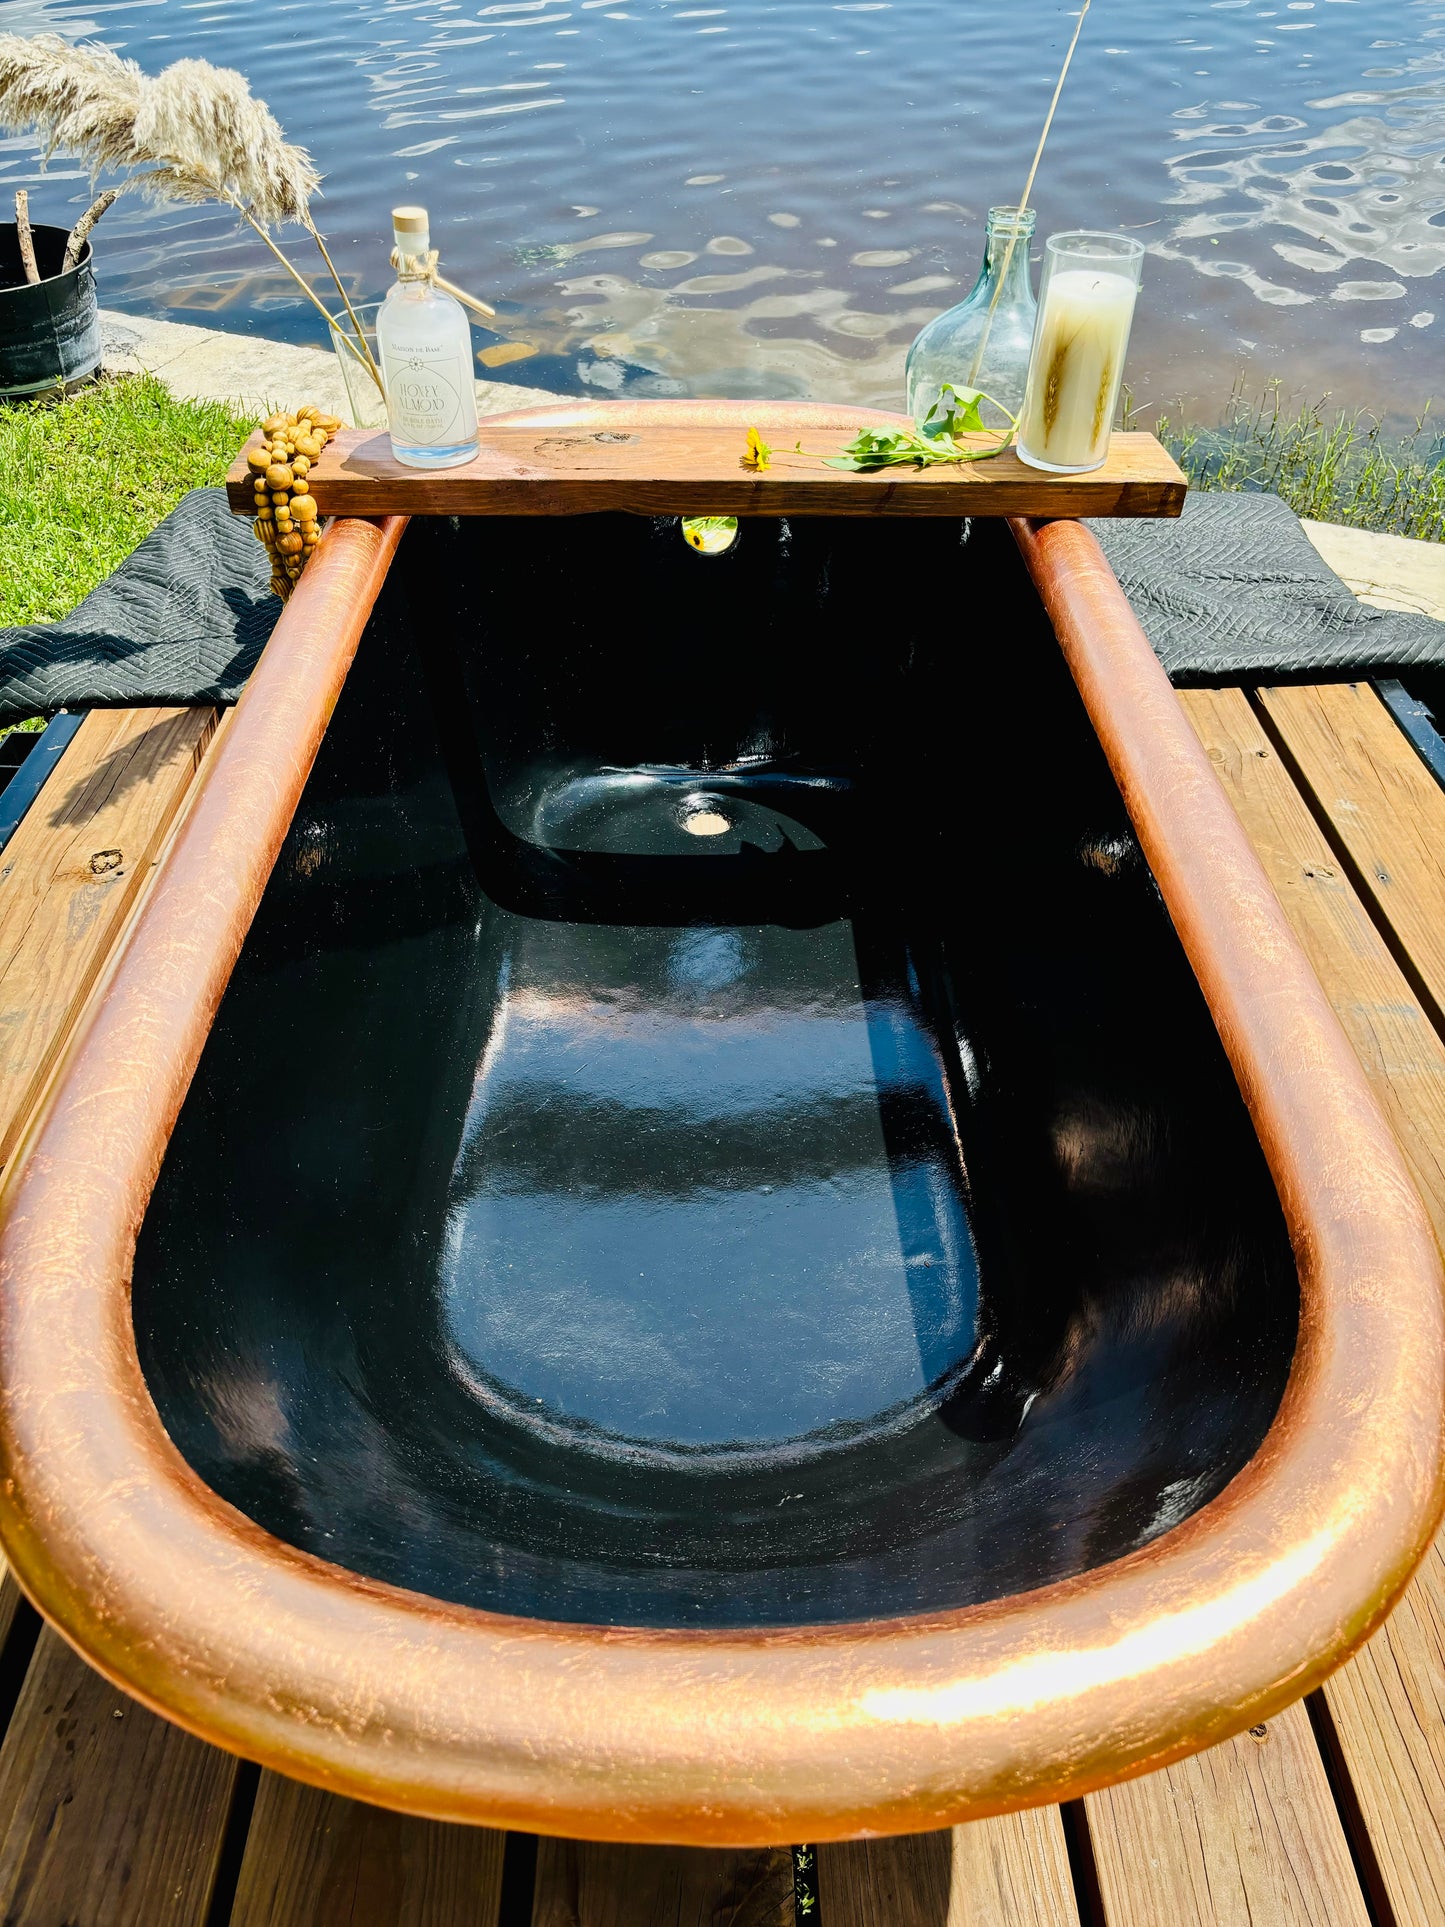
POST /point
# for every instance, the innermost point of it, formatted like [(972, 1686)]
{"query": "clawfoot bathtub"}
[(722, 1211)]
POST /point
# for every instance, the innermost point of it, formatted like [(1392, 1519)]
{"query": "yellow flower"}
[(710, 534), (759, 455)]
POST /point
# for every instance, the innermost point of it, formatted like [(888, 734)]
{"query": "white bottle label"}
[(424, 400)]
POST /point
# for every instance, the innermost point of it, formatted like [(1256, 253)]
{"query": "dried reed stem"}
[(302, 283), (487, 312), (80, 233), (366, 354), (25, 237), (362, 352), (1028, 189)]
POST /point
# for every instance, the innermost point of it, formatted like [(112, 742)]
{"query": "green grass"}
[(83, 480), (1329, 466)]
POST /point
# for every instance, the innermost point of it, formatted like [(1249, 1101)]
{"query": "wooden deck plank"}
[(1243, 1835), (905, 1881), (314, 1859), (9, 1600), (1008, 1872), (1387, 811), (109, 1817), (70, 877), (652, 468), (1402, 1054), (1387, 1709), (1387, 1705), (1013, 1872), (580, 1884)]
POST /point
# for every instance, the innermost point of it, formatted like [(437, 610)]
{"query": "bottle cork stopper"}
[(409, 220)]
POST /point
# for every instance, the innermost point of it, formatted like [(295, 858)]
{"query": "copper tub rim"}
[(696, 1735)]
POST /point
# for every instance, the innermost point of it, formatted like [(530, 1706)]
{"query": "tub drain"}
[(706, 823)]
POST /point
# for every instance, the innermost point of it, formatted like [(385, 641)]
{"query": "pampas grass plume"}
[(210, 138), (192, 133), (197, 129), (82, 100)]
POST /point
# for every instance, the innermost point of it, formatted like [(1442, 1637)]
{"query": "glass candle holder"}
[(1086, 306), (365, 403)]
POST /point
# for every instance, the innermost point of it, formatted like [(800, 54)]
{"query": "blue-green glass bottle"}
[(948, 348)]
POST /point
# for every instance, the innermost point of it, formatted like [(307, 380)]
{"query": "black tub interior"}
[(712, 1124)]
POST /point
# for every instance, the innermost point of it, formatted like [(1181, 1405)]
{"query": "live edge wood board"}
[(577, 459)]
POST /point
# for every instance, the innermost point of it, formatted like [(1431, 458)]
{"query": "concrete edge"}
[(252, 372)]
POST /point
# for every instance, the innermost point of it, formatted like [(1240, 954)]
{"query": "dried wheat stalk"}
[(1028, 189)]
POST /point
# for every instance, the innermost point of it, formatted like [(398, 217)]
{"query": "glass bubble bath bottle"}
[(996, 318), (426, 356)]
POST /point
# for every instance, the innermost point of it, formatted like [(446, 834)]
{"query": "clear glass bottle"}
[(426, 357), (947, 350)]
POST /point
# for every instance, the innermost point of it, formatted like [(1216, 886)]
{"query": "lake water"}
[(769, 197)]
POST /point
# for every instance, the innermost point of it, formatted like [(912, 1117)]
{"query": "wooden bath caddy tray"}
[(686, 458)]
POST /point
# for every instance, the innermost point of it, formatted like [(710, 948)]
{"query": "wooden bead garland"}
[(286, 519)]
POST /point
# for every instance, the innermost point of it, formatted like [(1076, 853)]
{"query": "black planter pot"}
[(50, 330)]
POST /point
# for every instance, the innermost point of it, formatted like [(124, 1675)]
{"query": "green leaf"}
[(967, 417), (956, 412)]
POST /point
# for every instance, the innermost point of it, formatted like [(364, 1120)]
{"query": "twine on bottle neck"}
[(416, 267), (423, 267)]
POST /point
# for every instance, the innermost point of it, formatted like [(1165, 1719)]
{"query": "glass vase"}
[(984, 342), (366, 404)]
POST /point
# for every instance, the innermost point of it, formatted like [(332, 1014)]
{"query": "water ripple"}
[(1294, 199)]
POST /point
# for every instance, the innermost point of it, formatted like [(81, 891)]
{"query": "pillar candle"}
[(1076, 367)]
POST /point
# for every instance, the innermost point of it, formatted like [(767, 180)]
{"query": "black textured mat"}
[(182, 620), (1235, 591)]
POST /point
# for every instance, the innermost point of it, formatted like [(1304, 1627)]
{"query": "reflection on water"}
[(1364, 194), (769, 197)]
